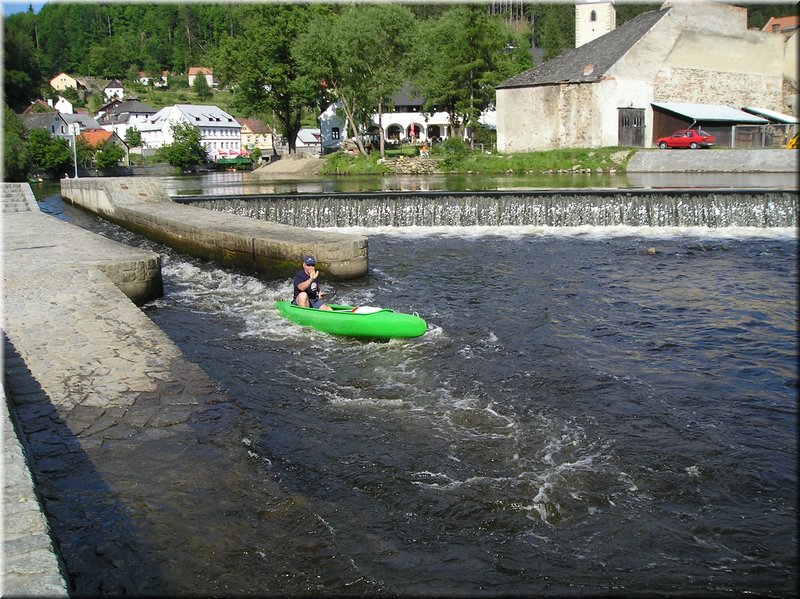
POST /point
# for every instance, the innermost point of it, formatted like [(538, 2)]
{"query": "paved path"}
[(30, 565), (89, 381)]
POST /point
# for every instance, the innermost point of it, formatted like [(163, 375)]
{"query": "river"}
[(593, 410)]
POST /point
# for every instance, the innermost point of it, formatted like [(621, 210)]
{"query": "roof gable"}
[(591, 61), (42, 120), (255, 126)]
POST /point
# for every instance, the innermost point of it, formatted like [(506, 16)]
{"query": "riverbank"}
[(577, 161)]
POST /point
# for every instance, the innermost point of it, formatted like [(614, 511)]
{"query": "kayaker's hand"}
[(313, 274)]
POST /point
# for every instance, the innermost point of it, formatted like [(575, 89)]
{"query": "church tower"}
[(593, 19)]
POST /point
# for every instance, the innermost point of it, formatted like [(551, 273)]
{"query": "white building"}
[(609, 92), (220, 133), (125, 115), (593, 19), (406, 123), (63, 105), (114, 89)]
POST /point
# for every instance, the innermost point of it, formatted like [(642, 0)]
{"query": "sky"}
[(9, 8)]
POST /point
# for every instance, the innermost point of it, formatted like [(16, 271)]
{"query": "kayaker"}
[(306, 291)]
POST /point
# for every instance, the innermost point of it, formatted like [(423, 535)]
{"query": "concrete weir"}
[(142, 205)]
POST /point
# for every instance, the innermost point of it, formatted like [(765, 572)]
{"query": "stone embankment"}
[(89, 380), (714, 161), (775, 160), (141, 205)]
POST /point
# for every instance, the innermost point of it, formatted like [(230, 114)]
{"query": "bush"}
[(454, 150)]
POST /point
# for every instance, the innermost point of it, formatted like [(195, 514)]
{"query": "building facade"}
[(220, 133), (593, 19), (601, 93)]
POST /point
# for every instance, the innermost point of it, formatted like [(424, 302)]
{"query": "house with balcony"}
[(616, 90), (220, 133)]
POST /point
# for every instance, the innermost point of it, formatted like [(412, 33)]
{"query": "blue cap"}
[(309, 261)]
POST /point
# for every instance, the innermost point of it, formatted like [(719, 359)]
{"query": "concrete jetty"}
[(142, 205), (89, 380)]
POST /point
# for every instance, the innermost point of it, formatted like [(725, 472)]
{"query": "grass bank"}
[(469, 162)]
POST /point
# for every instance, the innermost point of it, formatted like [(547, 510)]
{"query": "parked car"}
[(687, 138)]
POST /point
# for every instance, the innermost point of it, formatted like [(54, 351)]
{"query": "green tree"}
[(459, 59), (201, 88), (262, 69), (21, 61), (49, 154), (84, 153), (360, 55), (552, 38), (185, 149), (15, 154), (108, 154), (133, 137)]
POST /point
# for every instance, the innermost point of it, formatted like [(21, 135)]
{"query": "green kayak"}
[(349, 321)]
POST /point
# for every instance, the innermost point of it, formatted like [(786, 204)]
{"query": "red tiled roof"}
[(95, 137), (782, 23), (200, 71)]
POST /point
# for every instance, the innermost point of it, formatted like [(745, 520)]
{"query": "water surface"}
[(593, 410)]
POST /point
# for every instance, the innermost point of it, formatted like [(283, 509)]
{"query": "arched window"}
[(593, 16)]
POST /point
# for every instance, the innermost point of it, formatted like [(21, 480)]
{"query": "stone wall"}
[(141, 205)]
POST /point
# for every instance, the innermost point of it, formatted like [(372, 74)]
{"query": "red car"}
[(687, 138)]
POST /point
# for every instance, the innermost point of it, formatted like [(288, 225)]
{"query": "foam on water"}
[(512, 232)]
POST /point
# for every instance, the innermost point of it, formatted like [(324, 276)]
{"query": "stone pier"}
[(89, 380), (140, 204)]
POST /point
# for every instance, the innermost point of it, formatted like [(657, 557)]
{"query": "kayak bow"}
[(349, 321)]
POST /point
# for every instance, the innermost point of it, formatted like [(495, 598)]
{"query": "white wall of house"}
[(592, 20), (692, 54), (220, 134), (395, 125), (113, 91), (63, 105)]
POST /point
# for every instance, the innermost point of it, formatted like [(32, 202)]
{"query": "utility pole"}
[(74, 127)]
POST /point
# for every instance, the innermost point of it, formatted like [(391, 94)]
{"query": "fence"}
[(762, 136)]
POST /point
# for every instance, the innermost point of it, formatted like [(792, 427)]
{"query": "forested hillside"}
[(118, 40)]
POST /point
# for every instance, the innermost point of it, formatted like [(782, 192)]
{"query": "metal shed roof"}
[(710, 112), (772, 115)]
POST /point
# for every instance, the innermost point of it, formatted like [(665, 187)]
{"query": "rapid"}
[(593, 410)]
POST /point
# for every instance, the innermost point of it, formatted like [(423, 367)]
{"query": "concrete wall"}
[(141, 205)]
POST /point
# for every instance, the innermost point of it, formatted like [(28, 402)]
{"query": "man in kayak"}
[(306, 291)]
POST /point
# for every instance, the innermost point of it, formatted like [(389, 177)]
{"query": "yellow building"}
[(256, 134), (63, 81)]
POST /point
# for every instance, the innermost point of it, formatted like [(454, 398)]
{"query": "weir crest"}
[(572, 208)]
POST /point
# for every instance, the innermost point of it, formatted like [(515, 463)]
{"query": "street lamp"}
[(75, 128)]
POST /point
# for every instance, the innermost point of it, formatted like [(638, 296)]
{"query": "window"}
[(593, 17), (335, 133)]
